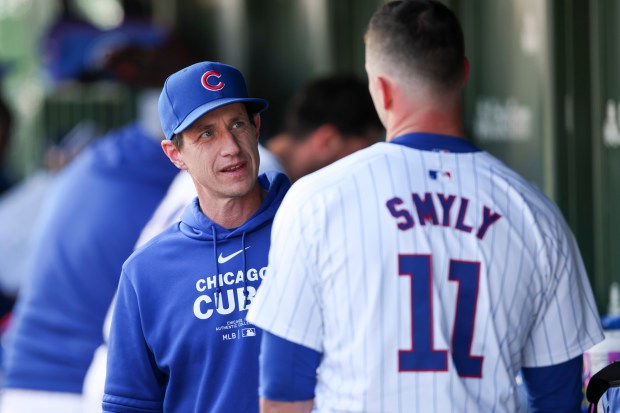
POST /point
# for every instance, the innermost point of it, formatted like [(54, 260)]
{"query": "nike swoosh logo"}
[(227, 258)]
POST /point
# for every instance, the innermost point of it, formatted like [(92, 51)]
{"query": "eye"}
[(238, 124), (206, 134)]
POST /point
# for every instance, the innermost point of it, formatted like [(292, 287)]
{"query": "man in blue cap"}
[(179, 341)]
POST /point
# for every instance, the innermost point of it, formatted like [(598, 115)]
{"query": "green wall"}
[(605, 141), (544, 97)]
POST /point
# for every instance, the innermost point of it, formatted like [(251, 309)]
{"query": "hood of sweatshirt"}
[(195, 224)]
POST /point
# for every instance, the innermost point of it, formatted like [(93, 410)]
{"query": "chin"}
[(239, 191)]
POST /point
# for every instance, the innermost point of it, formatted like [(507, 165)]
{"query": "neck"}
[(231, 212), (416, 106), (429, 120)]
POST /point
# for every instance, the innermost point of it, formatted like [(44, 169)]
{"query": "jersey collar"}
[(435, 143)]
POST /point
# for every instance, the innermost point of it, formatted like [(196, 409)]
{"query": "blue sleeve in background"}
[(555, 389), (287, 370)]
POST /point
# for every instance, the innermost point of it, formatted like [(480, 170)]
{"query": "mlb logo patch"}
[(248, 332), (440, 176)]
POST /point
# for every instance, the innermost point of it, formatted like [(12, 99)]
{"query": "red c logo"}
[(206, 84)]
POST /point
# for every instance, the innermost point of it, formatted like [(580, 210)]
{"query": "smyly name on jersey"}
[(437, 209)]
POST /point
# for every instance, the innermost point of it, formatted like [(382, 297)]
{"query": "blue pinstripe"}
[(365, 275), (398, 304), (380, 236)]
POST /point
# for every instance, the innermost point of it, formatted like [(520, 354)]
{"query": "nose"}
[(230, 145)]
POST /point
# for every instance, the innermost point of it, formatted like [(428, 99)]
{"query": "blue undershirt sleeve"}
[(287, 370), (555, 389)]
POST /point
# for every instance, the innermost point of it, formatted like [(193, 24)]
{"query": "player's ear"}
[(384, 88), (256, 118), (173, 153)]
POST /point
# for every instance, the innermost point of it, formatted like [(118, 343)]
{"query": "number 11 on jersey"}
[(423, 356)]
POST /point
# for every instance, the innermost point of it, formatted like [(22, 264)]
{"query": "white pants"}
[(37, 401)]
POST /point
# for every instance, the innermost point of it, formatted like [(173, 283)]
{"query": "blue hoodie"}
[(179, 341), (89, 226)]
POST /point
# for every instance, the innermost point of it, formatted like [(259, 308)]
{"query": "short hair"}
[(422, 38), (177, 138), (341, 100)]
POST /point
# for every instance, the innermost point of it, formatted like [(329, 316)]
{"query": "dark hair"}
[(423, 36), (341, 100), (177, 138)]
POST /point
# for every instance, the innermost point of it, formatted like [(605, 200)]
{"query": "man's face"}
[(220, 151)]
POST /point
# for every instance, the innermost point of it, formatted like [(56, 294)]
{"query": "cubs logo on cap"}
[(198, 89), (205, 80)]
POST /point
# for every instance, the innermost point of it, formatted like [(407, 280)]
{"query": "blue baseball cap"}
[(200, 88)]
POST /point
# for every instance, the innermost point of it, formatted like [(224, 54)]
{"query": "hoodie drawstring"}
[(245, 280), (218, 291)]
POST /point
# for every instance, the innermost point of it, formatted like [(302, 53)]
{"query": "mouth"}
[(234, 168)]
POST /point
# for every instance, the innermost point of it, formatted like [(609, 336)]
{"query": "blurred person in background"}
[(6, 126), (89, 226), (20, 208), (20, 200), (327, 119), (7, 297), (6, 129)]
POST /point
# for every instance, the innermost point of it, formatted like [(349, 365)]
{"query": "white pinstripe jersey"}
[(427, 273)]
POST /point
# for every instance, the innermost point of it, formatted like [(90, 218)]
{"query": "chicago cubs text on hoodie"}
[(179, 341)]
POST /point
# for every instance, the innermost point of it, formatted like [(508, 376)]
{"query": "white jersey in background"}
[(427, 276)]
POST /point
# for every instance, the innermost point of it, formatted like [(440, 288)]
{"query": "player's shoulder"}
[(522, 193)]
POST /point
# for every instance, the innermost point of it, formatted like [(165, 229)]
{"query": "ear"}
[(173, 154), (324, 137), (256, 118), (326, 143), (385, 90)]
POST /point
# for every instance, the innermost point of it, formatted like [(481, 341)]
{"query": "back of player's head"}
[(421, 38), (341, 100)]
